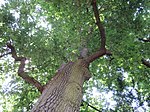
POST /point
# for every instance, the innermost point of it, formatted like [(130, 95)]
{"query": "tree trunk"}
[(63, 93)]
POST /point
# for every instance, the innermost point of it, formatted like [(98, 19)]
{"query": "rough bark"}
[(64, 92)]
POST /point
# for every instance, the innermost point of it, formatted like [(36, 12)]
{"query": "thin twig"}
[(92, 106), (4, 54)]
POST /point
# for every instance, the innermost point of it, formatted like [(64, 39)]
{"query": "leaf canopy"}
[(50, 33)]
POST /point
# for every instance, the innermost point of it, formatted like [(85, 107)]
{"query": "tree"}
[(57, 45)]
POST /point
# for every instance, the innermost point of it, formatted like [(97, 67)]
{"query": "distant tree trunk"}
[(63, 93)]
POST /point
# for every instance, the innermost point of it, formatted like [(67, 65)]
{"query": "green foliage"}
[(50, 33)]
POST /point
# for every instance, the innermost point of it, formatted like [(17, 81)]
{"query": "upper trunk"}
[(64, 92)]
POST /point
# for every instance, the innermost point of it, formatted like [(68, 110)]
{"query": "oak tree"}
[(39, 36)]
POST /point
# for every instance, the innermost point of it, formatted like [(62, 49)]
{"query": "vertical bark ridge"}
[(52, 92), (64, 91)]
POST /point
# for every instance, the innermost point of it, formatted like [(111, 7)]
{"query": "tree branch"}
[(102, 51), (144, 39), (5, 54), (92, 106), (99, 24), (21, 72), (146, 63)]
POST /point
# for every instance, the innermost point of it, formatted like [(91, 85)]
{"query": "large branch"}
[(21, 72), (146, 63), (99, 24), (102, 51)]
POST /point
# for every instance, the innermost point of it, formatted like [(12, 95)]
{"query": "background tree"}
[(69, 26)]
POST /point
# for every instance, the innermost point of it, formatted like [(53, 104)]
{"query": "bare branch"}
[(91, 106), (96, 55), (146, 63), (99, 24), (4, 54), (21, 72), (102, 51)]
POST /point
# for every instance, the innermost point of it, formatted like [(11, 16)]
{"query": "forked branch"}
[(102, 51), (21, 72)]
